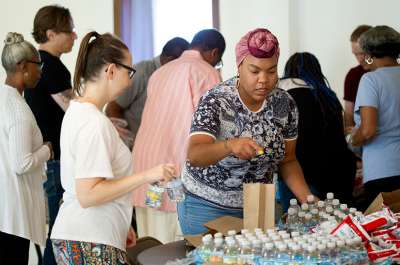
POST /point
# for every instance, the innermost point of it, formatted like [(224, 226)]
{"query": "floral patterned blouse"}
[(222, 115)]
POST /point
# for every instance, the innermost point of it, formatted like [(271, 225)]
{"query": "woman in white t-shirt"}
[(93, 223), (22, 155)]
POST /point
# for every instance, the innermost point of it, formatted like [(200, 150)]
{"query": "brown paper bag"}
[(258, 206)]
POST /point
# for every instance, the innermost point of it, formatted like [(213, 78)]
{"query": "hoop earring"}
[(369, 60), (398, 60)]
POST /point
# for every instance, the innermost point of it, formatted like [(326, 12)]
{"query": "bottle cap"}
[(293, 202), (335, 202), (218, 235), (231, 232), (329, 195), (321, 204), (304, 207), (310, 198)]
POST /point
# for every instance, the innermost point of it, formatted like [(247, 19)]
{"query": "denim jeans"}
[(194, 212), (54, 192)]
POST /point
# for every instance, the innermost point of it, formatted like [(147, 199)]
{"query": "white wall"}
[(320, 27), (18, 15), (237, 17)]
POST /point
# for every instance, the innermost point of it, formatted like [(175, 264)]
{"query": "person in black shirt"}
[(327, 163), (53, 30)]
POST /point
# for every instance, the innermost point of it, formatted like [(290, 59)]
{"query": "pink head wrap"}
[(260, 43)]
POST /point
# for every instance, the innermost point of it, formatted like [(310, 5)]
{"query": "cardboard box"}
[(222, 225), (390, 199)]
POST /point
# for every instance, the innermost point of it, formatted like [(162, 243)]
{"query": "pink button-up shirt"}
[(173, 93)]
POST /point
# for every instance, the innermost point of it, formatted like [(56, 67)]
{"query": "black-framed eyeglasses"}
[(131, 70), (40, 64)]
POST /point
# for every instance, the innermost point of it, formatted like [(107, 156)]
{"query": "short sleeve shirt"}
[(91, 148), (222, 115), (55, 79), (351, 83), (380, 89)]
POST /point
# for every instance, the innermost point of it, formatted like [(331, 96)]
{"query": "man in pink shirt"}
[(173, 93)]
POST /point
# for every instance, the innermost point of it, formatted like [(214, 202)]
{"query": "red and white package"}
[(350, 228), (382, 254), (395, 242), (396, 232), (383, 218), (384, 234)]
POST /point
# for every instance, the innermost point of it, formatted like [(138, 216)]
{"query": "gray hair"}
[(380, 41), (16, 50)]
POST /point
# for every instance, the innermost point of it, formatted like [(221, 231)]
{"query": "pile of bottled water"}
[(298, 243), (305, 217), (279, 247)]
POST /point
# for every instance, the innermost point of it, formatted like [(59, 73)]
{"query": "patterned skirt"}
[(69, 252)]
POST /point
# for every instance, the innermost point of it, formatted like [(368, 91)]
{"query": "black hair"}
[(208, 39), (305, 66), (174, 47)]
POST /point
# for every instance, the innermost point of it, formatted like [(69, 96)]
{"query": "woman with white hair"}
[(22, 155), (377, 111)]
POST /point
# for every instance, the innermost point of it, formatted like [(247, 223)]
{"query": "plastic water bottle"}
[(321, 206), (217, 253), (342, 256), (343, 208), (329, 199), (314, 217), (218, 235), (206, 248), (329, 210), (231, 252), (281, 255), (360, 252), (294, 205), (304, 207), (268, 254), (331, 248), (292, 220), (245, 256), (296, 257), (256, 248), (323, 255), (336, 204), (301, 221), (307, 222), (311, 256), (311, 202)]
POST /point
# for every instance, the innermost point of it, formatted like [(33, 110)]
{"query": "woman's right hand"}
[(244, 148), (162, 173)]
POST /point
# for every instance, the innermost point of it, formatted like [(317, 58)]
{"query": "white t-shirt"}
[(91, 147)]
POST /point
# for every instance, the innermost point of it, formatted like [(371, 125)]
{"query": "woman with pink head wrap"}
[(244, 130)]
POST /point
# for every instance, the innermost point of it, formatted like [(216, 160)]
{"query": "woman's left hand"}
[(131, 239)]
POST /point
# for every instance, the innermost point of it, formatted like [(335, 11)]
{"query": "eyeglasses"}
[(40, 64), (131, 70), (219, 65)]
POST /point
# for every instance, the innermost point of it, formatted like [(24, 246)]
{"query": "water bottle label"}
[(230, 259)]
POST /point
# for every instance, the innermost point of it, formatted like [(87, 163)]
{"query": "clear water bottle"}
[(301, 221), (331, 248), (314, 217), (329, 199), (245, 255), (311, 256), (206, 248), (329, 210), (292, 220), (175, 190), (311, 202), (342, 256), (217, 254), (296, 257), (231, 252), (218, 235), (352, 211), (256, 248), (307, 222), (336, 204), (323, 255), (343, 208), (281, 255), (304, 207), (268, 254), (321, 206), (294, 205), (361, 254)]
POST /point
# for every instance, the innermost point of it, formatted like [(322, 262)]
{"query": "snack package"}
[(374, 221), (350, 228)]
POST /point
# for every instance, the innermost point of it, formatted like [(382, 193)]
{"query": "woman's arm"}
[(292, 173), (22, 156), (97, 191), (368, 126), (204, 150)]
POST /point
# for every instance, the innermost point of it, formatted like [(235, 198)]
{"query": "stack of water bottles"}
[(279, 247), (298, 243)]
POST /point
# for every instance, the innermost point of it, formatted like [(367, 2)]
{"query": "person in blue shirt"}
[(377, 111)]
